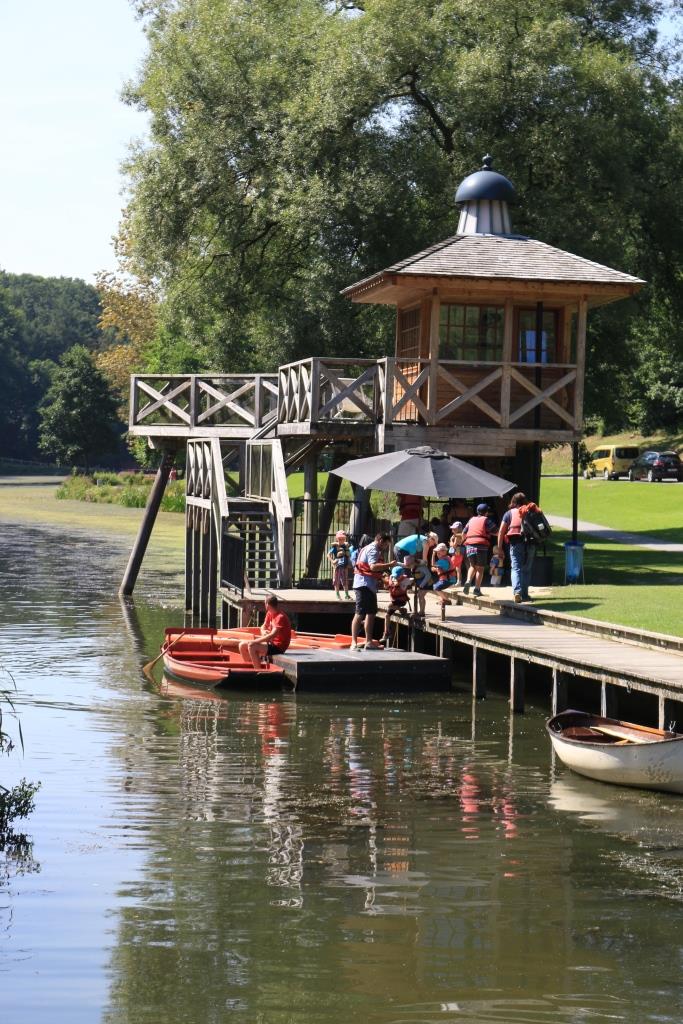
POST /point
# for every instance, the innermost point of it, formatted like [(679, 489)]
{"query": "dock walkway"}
[(616, 657)]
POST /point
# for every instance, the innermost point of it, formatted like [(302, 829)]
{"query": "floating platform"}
[(376, 671)]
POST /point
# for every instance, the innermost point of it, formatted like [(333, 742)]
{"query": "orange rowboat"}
[(210, 657)]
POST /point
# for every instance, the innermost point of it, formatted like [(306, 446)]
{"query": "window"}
[(471, 332), (527, 337), (409, 333)]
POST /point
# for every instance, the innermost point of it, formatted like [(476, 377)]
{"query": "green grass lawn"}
[(652, 509), (559, 460), (627, 585)]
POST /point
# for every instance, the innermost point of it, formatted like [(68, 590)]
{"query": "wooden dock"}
[(376, 671), (570, 649)]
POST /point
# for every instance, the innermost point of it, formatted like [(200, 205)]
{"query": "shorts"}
[(366, 601), (274, 649), (443, 584), (478, 555)]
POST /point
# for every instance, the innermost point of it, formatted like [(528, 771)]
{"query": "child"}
[(397, 583), (446, 574), (456, 551), (422, 575), (340, 557)]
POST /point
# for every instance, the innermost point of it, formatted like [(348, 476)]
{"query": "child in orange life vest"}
[(397, 583), (424, 578), (456, 550), (446, 574), (340, 557)]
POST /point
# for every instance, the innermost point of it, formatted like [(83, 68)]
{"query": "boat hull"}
[(654, 761), (221, 671)]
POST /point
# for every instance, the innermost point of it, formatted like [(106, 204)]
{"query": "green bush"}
[(17, 802), (131, 490)]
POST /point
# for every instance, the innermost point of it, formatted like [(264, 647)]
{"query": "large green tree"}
[(296, 145), (79, 412)]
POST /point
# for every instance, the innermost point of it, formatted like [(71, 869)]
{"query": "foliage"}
[(131, 490), (18, 801), (40, 319), (78, 414), (129, 310), (298, 146)]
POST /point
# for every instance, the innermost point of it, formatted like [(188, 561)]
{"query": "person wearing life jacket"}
[(446, 575), (339, 556), (521, 553), (367, 573), (478, 533), (410, 511), (397, 583)]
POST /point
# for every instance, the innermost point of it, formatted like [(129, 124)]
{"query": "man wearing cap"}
[(367, 574), (478, 533)]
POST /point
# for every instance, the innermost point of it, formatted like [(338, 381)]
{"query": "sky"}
[(64, 132)]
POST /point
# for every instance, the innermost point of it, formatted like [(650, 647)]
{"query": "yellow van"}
[(611, 461)]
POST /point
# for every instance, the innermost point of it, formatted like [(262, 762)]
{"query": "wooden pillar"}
[(581, 327), (359, 513), (666, 713), (478, 672), (508, 337), (609, 701), (149, 518), (213, 575), (517, 684), (434, 321), (195, 582), (205, 568), (311, 494), (560, 691)]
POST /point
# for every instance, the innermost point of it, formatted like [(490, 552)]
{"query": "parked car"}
[(611, 461), (656, 466)]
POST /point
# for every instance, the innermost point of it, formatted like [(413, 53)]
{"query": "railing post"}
[(258, 401), (134, 400), (193, 400), (314, 394), (387, 396)]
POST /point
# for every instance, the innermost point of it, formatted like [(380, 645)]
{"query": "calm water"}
[(304, 859)]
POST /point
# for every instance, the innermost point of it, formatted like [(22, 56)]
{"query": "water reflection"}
[(210, 857)]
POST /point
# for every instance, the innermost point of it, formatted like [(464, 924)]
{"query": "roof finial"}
[(487, 162)]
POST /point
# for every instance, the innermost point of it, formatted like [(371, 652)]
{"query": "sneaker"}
[(373, 647), (356, 647), (348, 596), (477, 592), (338, 595), (518, 598), (466, 588)]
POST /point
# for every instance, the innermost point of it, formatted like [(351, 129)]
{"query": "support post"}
[(517, 682), (609, 703), (359, 513), (666, 713), (575, 492), (478, 672), (149, 518), (560, 693), (311, 496), (325, 516)]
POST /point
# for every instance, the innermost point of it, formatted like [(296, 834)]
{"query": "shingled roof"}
[(504, 257)]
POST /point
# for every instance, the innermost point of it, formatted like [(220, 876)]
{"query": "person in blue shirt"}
[(408, 550)]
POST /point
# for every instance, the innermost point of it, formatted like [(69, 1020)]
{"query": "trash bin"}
[(573, 562), (542, 570)]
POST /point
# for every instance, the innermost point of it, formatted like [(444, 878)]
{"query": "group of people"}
[(422, 561)]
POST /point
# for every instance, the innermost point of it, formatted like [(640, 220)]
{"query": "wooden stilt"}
[(325, 513), (517, 684), (667, 714), (560, 691), (478, 672), (609, 703), (144, 533)]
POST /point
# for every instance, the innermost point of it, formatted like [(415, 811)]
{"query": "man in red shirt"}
[(276, 634)]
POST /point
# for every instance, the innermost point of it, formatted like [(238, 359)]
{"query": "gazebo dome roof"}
[(486, 184)]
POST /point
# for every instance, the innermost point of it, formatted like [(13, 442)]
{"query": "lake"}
[(303, 858)]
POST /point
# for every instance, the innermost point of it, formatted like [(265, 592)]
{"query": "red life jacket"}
[(398, 594), (515, 527), (410, 506), (362, 566), (477, 535)]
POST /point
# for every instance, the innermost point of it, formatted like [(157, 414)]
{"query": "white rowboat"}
[(622, 753)]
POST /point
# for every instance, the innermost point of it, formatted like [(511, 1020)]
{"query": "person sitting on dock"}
[(446, 575), (477, 534), (397, 583), (276, 635), (366, 577)]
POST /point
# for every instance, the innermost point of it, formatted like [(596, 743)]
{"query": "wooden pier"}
[(572, 651)]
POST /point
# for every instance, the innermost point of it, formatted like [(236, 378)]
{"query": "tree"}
[(297, 146), (78, 417)]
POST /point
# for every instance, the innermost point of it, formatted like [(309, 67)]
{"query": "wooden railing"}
[(266, 478), (431, 393), (233, 405)]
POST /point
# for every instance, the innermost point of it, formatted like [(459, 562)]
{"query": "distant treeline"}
[(41, 319)]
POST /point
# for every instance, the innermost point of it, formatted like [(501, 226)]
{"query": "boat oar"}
[(147, 669)]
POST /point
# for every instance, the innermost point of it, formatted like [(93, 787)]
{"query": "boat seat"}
[(584, 732)]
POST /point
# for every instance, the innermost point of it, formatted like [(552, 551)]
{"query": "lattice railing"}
[(227, 403)]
